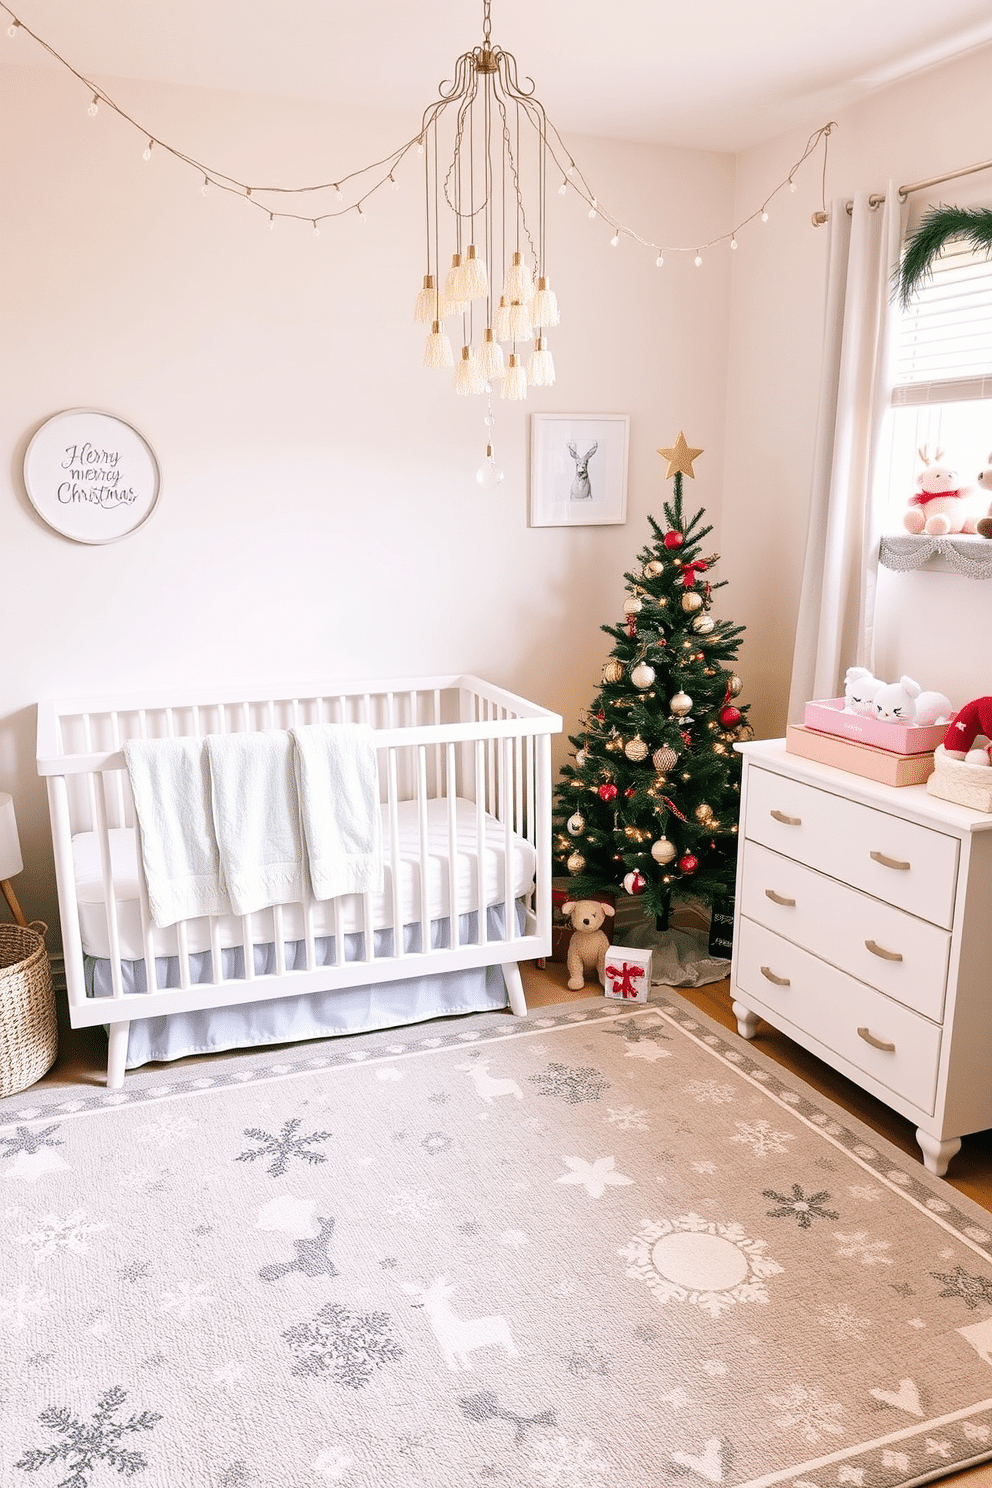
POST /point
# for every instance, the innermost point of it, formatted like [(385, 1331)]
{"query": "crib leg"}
[(515, 988), (117, 1055)]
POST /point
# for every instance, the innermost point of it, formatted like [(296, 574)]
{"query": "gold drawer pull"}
[(779, 981), (878, 950), (878, 857), (790, 821), (870, 1038), (780, 899)]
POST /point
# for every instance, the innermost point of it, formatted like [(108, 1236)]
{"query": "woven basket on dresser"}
[(28, 1025)]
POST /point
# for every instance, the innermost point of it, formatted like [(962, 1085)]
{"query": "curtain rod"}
[(876, 200)]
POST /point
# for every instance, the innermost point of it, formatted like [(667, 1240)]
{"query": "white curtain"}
[(837, 600)]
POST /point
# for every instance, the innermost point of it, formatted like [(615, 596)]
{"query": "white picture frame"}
[(90, 476), (578, 469)]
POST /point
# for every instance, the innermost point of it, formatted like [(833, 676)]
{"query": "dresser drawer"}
[(897, 861), (900, 955), (832, 1007)]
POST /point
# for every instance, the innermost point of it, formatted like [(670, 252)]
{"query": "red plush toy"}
[(973, 719)]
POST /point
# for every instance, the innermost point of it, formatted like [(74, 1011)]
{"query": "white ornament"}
[(632, 606), (680, 704), (642, 675), (576, 824), (663, 851)]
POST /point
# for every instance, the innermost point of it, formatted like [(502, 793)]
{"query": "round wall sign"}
[(90, 476)]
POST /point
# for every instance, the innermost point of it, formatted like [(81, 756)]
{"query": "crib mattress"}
[(417, 884)]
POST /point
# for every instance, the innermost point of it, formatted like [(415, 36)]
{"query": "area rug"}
[(605, 1246)]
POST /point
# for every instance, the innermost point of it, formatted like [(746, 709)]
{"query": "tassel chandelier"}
[(495, 292)]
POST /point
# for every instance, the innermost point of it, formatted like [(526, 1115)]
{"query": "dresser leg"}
[(937, 1154), (747, 1022)]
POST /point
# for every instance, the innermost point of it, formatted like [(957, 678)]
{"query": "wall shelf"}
[(968, 555)]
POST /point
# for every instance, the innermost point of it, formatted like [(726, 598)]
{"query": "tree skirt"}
[(605, 1247)]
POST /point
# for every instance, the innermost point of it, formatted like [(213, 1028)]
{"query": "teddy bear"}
[(589, 944), (940, 505), (904, 702), (860, 688)]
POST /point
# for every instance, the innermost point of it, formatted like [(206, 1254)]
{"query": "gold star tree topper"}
[(680, 458)]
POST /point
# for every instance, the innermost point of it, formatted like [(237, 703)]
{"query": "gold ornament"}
[(632, 606), (580, 758), (703, 624), (612, 672), (691, 602), (680, 458), (663, 851), (576, 824), (735, 684), (680, 704), (615, 745), (704, 813), (719, 748), (642, 675), (635, 748), (653, 569), (664, 758), (745, 732), (576, 863)]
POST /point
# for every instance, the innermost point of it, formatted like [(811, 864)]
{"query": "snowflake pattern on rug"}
[(571, 1085), (349, 1346), (85, 1444), (283, 1147), (974, 1291), (802, 1207), (711, 1266)]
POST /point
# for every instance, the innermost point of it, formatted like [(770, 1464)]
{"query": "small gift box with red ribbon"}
[(627, 974)]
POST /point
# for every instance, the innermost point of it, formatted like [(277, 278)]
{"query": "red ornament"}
[(607, 792), (673, 539), (629, 791), (730, 717), (686, 738), (688, 863), (635, 883)]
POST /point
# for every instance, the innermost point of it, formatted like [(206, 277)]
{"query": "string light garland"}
[(493, 176)]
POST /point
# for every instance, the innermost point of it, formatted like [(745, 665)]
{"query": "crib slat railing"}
[(424, 854), (107, 875), (392, 811), (65, 878), (507, 795), (480, 842), (454, 922)]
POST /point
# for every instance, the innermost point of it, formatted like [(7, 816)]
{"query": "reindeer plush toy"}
[(940, 505)]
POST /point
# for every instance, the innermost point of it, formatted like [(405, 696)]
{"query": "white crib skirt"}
[(363, 1008)]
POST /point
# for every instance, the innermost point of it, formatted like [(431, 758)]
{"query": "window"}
[(942, 394)]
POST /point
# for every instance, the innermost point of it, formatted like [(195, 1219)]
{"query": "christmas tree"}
[(648, 804)]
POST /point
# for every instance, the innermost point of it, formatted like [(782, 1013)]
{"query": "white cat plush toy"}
[(860, 688), (905, 702)]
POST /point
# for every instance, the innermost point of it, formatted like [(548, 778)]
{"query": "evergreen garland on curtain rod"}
[(937, 227)]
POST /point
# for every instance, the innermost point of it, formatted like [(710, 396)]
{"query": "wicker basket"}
[(28, 1025)]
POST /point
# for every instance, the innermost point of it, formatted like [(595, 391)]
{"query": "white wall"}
[(930, 625), (319, 513)]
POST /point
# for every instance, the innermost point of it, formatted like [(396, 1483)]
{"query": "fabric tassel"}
[(514, 385), (541, 368), (455, 297), (426, 308), (468, 378), (492, 364), (476, 275), (501, 321), (519, 283), (520, 326), (437, 352), (544, 311)]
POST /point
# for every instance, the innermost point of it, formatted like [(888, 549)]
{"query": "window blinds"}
[(944, 340)]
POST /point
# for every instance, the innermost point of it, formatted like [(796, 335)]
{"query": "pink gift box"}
[(829, 717), (627, 974)]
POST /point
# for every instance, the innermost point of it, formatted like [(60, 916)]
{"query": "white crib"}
[(465, 785)]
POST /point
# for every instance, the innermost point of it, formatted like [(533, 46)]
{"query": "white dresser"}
[(863, 931)]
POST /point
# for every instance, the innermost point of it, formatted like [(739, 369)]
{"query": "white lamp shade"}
[(10, 848)]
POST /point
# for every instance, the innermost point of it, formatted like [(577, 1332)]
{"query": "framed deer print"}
[(578, 469)]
